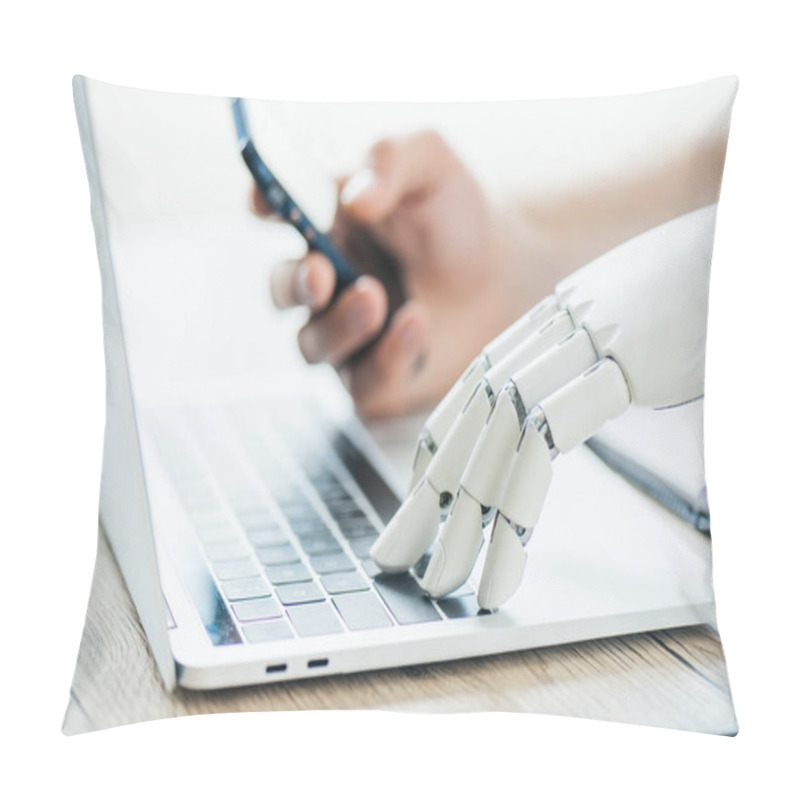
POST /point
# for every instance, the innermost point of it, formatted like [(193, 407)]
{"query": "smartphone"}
[(284, 205), (359, 240)]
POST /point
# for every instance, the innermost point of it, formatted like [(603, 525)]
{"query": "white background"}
[(52, 383)]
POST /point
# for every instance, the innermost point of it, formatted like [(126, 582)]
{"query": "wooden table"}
[(673, 678)]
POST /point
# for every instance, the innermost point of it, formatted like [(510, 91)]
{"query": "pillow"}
[(555, 255)]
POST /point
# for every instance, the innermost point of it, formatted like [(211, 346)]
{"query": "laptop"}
[(240, 493)]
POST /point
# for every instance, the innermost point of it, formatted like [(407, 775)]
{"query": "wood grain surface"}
[(673, 678)]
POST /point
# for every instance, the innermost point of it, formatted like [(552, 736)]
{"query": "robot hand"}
[(627, 328)]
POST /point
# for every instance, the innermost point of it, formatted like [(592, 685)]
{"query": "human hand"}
[(419, 228), (627, 328)]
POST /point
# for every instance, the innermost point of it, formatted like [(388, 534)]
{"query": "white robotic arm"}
[(627, 328)]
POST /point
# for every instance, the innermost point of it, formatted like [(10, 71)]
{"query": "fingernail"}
[(358, 186), (301, 288), (308, 339)]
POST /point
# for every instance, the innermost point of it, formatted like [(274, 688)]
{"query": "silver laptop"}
[(241, 495)]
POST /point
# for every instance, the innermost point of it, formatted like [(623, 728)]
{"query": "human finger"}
[(382, 380), (353, 321), (308, 282), (397, 169), (258, 205)]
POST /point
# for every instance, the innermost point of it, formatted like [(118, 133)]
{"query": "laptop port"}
[(276, 668), (318, 662)]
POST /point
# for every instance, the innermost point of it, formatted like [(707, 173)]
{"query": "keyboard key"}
[(248, 505), (325, 481), (362, 611), (314, 467), (419, 568), (320, 543), (254, 522), (246, 502), (334, 562), (229, 551), (218, 534), (362, 545), (459, 607), (370, 567), (332, 492), (405, 599), (308, 527), (262, 608), (267, 537), (288, 573), (244, 588), (295, 593), (209, 519), (356, 528), (273, 631), (314, 619), (288, 494), (279, 554), (300, 512), (341, 582), (244, 568), (344, 509), (200, 503)]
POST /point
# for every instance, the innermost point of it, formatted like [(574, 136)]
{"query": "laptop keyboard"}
[(285, 529)]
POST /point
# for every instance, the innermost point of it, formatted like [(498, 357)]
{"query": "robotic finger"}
[(416, 523), (487, 470), (562, 421), (412, 529), (443, 416), (456, 548)]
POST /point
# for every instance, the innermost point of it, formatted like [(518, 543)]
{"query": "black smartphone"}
[(359, 244)]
